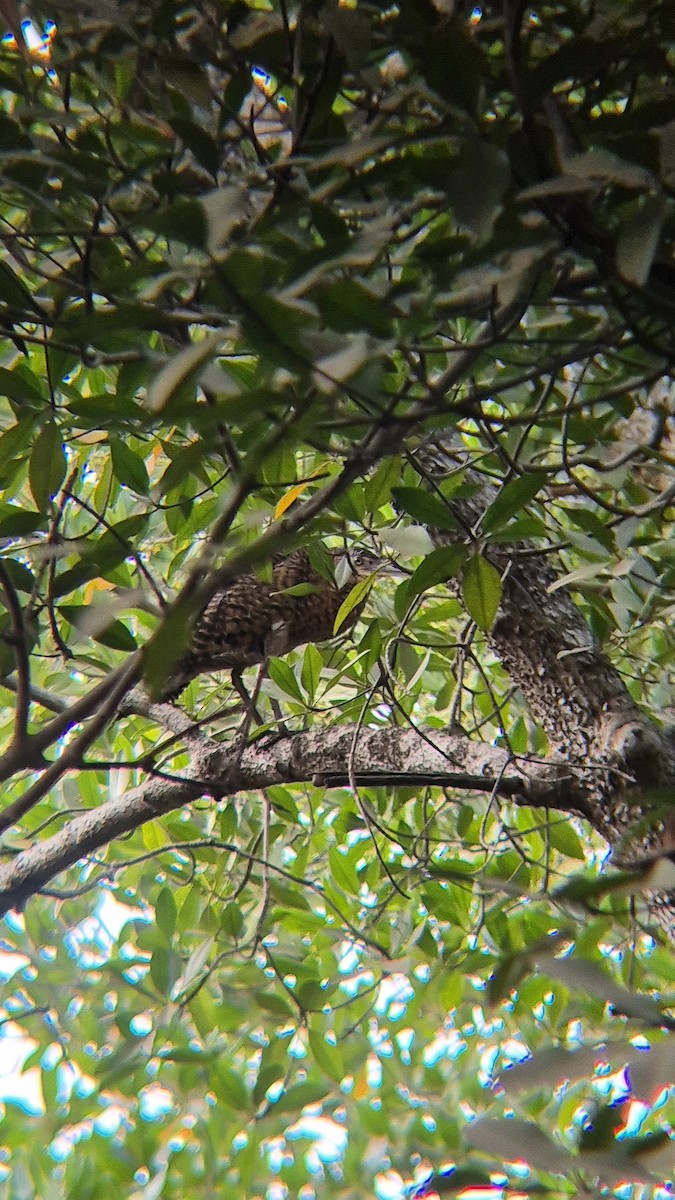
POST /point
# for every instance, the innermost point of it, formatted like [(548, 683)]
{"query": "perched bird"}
[(254, 618)]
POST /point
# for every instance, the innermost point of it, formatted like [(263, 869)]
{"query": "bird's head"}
[(356, 562)]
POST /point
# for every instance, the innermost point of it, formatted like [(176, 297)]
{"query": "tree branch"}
[(73, 754), (394, 756), (48, 700), (30, 752), (544, 642), (21, 655)]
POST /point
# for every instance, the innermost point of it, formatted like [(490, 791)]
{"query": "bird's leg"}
[(281, 730), (248, 701), (251, 712)]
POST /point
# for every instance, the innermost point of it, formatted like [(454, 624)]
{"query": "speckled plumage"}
[(254, 618)]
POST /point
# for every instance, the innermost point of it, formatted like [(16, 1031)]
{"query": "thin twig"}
[(52, 540), (39, 695), (21, 656), (73, 754), (132, 553)]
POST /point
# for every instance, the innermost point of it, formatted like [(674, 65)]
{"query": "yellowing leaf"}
[(157, 451), (289, 498), (293, 493), (97, 585)]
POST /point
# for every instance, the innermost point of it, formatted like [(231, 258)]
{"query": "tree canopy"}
[(324, 275)]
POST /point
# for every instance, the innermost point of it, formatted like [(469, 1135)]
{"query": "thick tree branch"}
[(571, 687), (394, 756)]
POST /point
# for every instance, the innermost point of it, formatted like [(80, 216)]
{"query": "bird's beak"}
[(391, 569)]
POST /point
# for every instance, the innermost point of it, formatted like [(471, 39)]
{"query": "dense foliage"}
[(251, 253)]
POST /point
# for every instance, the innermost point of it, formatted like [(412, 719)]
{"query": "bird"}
[(251, 619)]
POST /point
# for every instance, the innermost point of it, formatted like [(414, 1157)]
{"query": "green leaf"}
[(274, 1004), (15, 293), (230, 1088), (424, 507), (312, 996), (459, 1179), (347, 305), (21, 576), (519, 530), (343, 871), (584, 888), (102, 556), (185, 462), (16, 442), (194, 968), (49, 1080), (128, 466), (565, 839), (599, 1129), (298, 589), (164, 968), (48, 465), (438, 567), (312, 665), (326, 1056), (232, 920), (17, 522), (183, 1054), (184, 221), (21, 385), (477, 208), (114, 634), (199, 142), (183, 368), (296, 1097), (510, 501), (378, 488), (12, 136), (280, 673), (481, 591), (639, 238), (166, 912), (162, 651)]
